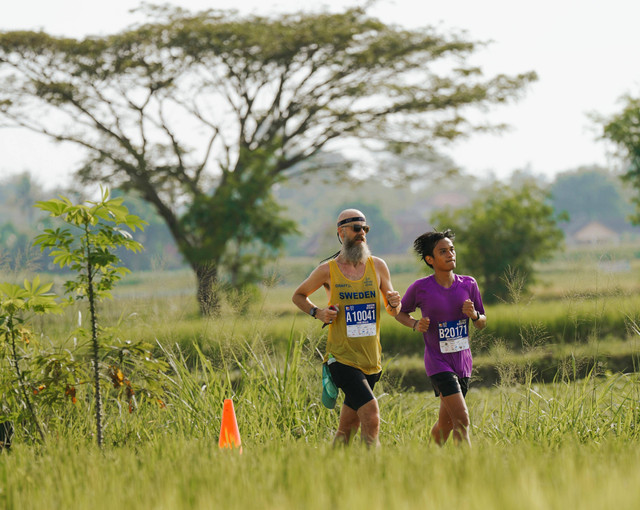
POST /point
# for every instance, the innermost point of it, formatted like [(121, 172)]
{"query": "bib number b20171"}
[(361, 319), (453, 335)]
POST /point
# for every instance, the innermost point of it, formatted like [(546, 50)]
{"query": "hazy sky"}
[(584, 51)]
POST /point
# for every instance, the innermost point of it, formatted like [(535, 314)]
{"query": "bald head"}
[(350, 215), (354, 242)]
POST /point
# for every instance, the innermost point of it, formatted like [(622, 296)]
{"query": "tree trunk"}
[(95, 346), (207, 277)]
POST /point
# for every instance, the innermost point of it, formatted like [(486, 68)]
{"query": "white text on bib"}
[(361, 319), (453, 335)]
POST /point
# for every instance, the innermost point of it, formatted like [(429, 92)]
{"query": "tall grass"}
[(569, 443), (535, 446), (278, 393), (196, 475)]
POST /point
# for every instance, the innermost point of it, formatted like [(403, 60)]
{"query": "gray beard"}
[(355, 252)]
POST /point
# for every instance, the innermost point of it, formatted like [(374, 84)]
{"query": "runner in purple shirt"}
[(447, 301)]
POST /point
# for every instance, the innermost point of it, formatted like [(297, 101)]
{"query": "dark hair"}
[(335, 255), (426, 243)]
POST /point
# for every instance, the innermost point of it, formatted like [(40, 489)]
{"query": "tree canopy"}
[(501, 234), (204, 113), (623, 129)]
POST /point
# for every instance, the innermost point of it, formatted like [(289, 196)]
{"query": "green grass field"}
[(568, 443), (550, 446), (194, 474)]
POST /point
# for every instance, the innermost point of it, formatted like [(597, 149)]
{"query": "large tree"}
[(501, 234), (204, 113), (623, 129)]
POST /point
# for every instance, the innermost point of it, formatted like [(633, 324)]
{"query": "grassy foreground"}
[(553, 446), (195, 474), (568, 444)]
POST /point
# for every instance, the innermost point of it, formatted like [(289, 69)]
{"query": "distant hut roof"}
[(594, 233)]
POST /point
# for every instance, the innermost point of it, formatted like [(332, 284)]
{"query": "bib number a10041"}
[(453, 335), (361, 319)]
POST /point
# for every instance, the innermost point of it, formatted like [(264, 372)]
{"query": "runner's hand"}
[(327, 315), (469, 309), (423, 324), (393, 298)]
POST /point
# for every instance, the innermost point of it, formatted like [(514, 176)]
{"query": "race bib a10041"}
[(361, 319), (454, 335)]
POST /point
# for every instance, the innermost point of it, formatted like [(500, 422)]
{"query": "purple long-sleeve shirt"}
[(449, 327)]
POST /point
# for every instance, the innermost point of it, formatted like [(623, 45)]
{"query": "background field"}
[(554, 422)]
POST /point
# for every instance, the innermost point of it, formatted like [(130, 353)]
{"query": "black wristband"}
[(313, 311), (477, 316), (415, 324)]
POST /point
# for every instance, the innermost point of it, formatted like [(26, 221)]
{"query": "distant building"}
[(595, 233), (450, 199)]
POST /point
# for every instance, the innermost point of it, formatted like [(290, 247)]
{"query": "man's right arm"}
[(319, 277)]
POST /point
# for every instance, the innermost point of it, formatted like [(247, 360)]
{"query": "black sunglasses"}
[(358, 228)]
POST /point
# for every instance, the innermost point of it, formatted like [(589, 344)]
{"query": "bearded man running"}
[(357, 284)]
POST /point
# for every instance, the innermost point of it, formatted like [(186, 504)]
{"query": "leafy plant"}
[(88, 247), (15, 302)]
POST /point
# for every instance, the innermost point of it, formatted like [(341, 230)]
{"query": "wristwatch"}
[(477, 316), (313, 311)]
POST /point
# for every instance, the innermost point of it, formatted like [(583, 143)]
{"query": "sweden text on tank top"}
[(354, 337)]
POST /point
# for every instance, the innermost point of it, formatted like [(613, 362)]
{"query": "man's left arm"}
[(391, 298)]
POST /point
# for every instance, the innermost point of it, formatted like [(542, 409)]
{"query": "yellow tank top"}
[(354, 337)]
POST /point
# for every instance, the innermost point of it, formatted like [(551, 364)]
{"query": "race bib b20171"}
[(361, 319), (453, 335)]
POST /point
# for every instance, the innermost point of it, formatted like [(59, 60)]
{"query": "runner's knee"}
[(462, 418), (370, 412)]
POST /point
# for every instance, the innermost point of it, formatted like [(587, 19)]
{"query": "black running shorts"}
[(357, 386), (448, 383)]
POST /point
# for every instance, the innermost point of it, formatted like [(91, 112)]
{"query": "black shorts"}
[(448, 383), (357, 386)]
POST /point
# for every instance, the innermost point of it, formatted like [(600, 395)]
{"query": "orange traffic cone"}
[(229, 433)]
